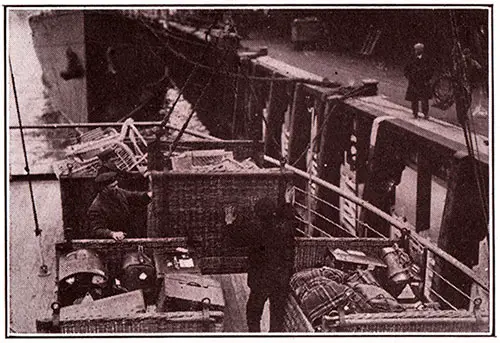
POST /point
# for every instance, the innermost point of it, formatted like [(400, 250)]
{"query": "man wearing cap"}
[(110, 215), (419, 72)]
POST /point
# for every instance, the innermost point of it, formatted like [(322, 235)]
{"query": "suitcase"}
[(118, 305), (188, 292), (138, 272)]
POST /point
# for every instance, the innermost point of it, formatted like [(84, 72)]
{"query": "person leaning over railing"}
[(110, 215), (269, 234)]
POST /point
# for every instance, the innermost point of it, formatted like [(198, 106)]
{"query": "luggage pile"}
[(366, 285), (138, 287), (353, 282), (211, 161)]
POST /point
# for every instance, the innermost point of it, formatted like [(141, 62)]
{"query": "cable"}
[(195, 68), (230, 74), (184, 126), (461, 84), (38, 231)]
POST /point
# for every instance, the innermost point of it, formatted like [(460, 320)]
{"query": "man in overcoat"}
[(269, 234), (419, 72), (111, 213)]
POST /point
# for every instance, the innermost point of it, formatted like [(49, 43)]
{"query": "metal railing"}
[(429, 251)]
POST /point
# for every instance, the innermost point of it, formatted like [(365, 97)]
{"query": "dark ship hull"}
[(97, 66)]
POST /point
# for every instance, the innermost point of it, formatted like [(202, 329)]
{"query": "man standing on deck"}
[(270, 238), (419, 72), (110, 215)]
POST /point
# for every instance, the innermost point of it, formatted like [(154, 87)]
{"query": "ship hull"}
[(98, 66)]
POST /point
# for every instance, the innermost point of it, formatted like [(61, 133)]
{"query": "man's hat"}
[(105, 177), (418, 46)]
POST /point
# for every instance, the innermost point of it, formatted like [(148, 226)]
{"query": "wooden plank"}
[(235, 294)]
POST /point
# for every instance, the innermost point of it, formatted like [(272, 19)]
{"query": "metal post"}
[(424, 190)]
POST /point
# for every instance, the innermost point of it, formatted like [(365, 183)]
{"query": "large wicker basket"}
[(312, 251), (149, 322), (192, 205)]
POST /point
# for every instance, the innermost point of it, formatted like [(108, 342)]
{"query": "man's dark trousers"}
[(425, 107), (255, 307)]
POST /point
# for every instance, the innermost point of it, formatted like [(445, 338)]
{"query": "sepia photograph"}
[(248, 170)]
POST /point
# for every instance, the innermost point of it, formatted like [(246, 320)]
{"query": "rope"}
[(354, 92), (195, 68), (38, 231), (449, 283), (184, 126), (234, 75), (462, 84)]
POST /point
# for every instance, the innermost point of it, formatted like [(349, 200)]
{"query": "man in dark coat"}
[(270, 238), (419, 72), (110, 215)]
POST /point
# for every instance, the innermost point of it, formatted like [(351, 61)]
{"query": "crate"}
[(311, 251), (189, 292), (158, 151), (149, 321)]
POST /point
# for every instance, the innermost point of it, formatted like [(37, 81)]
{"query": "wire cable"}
[(38, 231)]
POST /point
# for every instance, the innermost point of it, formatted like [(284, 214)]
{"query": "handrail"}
[(403, 226), (110, 124)]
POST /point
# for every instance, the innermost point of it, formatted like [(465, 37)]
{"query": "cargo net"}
[(125, 150), (211, 161)]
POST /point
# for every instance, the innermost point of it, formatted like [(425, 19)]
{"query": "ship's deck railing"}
[(305, 201), (432, 271)]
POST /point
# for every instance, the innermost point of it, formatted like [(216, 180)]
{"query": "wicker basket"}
[(153, 322), (149, 322), (311, 251), (192, 205)]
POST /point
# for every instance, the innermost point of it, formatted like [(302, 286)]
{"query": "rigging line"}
[(148, 100), (313, 82), (261, 115), (478, 177), (482, 182), (472, 134), (184, 126), (38, 231), (461, 73), (195, 68), (256, 78)]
